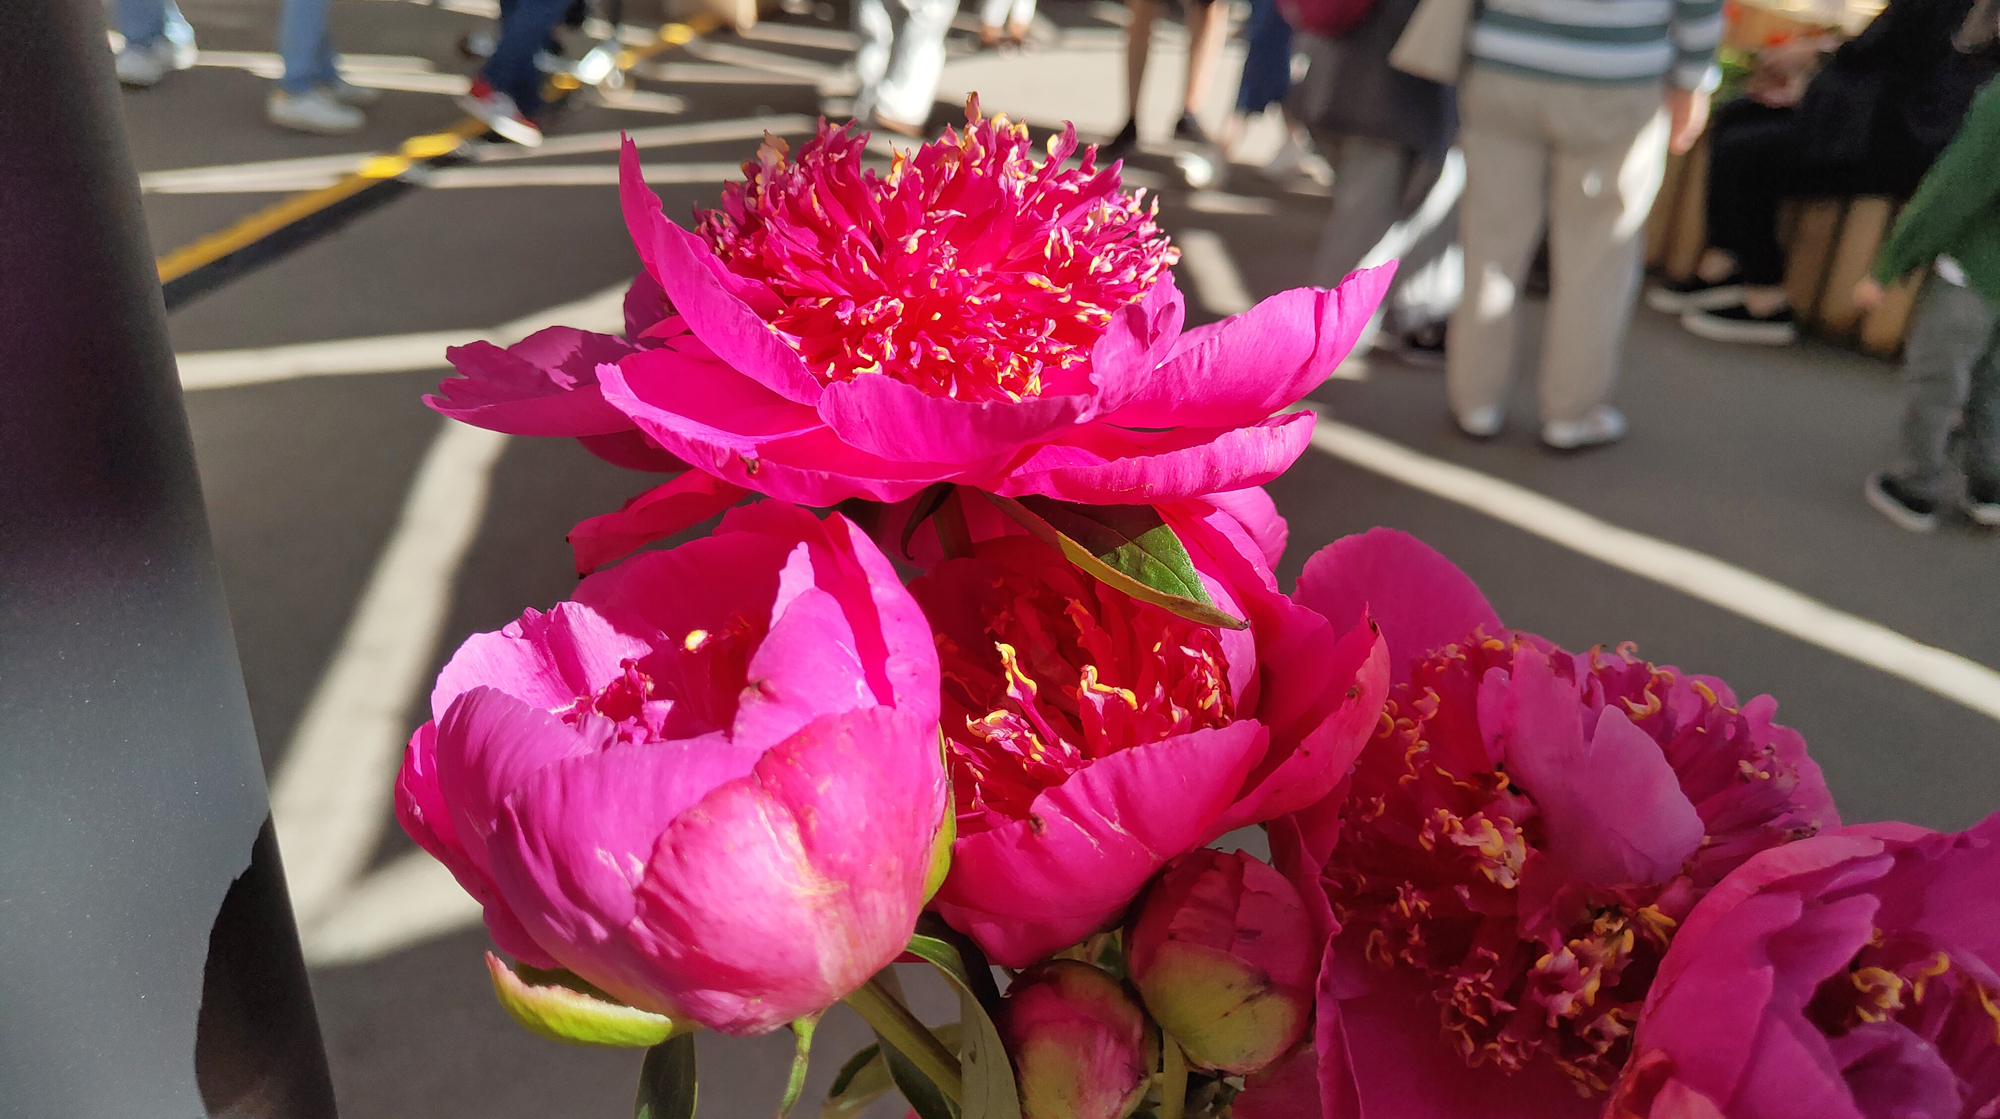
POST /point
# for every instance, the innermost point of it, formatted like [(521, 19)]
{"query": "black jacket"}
[(1926, 84)]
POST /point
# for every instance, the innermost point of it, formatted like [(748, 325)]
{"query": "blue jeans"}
[(144, 22), (524, 29), (306, 47)]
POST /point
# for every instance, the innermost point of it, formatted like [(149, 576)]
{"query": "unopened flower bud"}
[(1082, 1047), (1223, 953)]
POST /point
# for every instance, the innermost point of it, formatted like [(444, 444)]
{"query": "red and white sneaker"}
[(498, 112)]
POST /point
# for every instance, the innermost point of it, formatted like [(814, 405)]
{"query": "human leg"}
[(1208, 30), (305, 46), (1500, 223), (909, 87), (1948, 340), (875, 25), (1368, 193), (524, 29), (1982, 435), (1610, 155)]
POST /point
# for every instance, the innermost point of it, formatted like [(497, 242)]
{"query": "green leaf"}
[(562, 1007), (880, 1003), (922, 1093), (865, 1078), (1127, 548), (667, 1081), (802, 1029), (989, 1076)]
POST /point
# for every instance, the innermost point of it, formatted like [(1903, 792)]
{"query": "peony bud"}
[(1082, 1048), (1223, 954)]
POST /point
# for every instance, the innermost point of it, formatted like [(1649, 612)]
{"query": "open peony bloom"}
[(709, 784), (1093, 737), (974, 315), (1517, 846), (1849, 976), (1082, 1048), (1224, 956)]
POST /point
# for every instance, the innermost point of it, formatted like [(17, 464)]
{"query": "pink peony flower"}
[(1848, 976), (975, 315), (1082, 1048), (1224, 956), (709, 783), (1518, 844), (1093, 737)]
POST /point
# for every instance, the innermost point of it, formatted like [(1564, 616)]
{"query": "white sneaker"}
[(347, 93), (1481, 423), (315, 111), (180, 33), (498, 112), (143, 67), (1604, 424)]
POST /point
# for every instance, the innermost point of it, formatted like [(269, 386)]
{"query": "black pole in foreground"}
[(149, 964)]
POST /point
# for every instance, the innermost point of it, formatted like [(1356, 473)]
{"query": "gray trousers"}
[(1589, 159), (1391, 203), (1951, 377)]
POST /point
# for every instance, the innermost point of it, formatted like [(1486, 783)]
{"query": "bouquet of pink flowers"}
[(991, 710)]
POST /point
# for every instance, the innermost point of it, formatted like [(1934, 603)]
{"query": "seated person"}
[(1870, 121)]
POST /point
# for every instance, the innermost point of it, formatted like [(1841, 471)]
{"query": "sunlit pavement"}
[(362, 539)]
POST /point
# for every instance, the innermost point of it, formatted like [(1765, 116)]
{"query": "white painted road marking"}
[(392, 353), (1693, 573), (330, 796)]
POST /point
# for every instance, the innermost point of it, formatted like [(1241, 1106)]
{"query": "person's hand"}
[(1784, 69), (1687, 115), (1868, 295)]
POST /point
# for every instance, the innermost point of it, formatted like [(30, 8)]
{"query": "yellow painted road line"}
[(270, 220)]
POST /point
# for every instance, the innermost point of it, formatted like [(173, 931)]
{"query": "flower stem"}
[(1173, 1077), (910, 1037)]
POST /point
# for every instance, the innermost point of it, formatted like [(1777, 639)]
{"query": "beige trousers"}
[(1588, 159)]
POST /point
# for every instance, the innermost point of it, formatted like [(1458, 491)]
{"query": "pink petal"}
[(695, 395), (1247, 366), (633, 451), (1614, 809), (654, 515), (884, 416), (1253, 508), (1102, 465), (544, 660), (573, 841), (1419, 599), (425, 817), (692, 278), (1139, 336), (545, 384), (1033, 887), (784, 891), (1383, 1056), (490, 743)]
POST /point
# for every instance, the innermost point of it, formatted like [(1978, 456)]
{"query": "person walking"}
[(1005, 21), (1951, 363), (1566, 112), (1387, 135), (1208, 28), (312, 96), (158, 41), (507, 95), (1870, 121), (899, 62)]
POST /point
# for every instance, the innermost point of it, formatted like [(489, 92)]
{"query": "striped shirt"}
[(1613, 41)]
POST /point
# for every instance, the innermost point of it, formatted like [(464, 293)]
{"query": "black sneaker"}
[(1737, 324), (1189, 131), (1895, 501), (1122, 144), (1982, 501), (1678, 297)]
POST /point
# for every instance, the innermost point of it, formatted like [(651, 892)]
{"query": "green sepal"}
[(802, 1031), (989, 1076), (1128, 548), (667, 1081), (559, 1006)]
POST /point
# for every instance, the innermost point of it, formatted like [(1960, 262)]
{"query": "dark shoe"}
[(1737, 324), (1678, 297), (1982, 501), (1895, 501), (1189, 131), (1122, 144)]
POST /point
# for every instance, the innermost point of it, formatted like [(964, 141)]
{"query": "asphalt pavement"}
[(1750, 459)]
